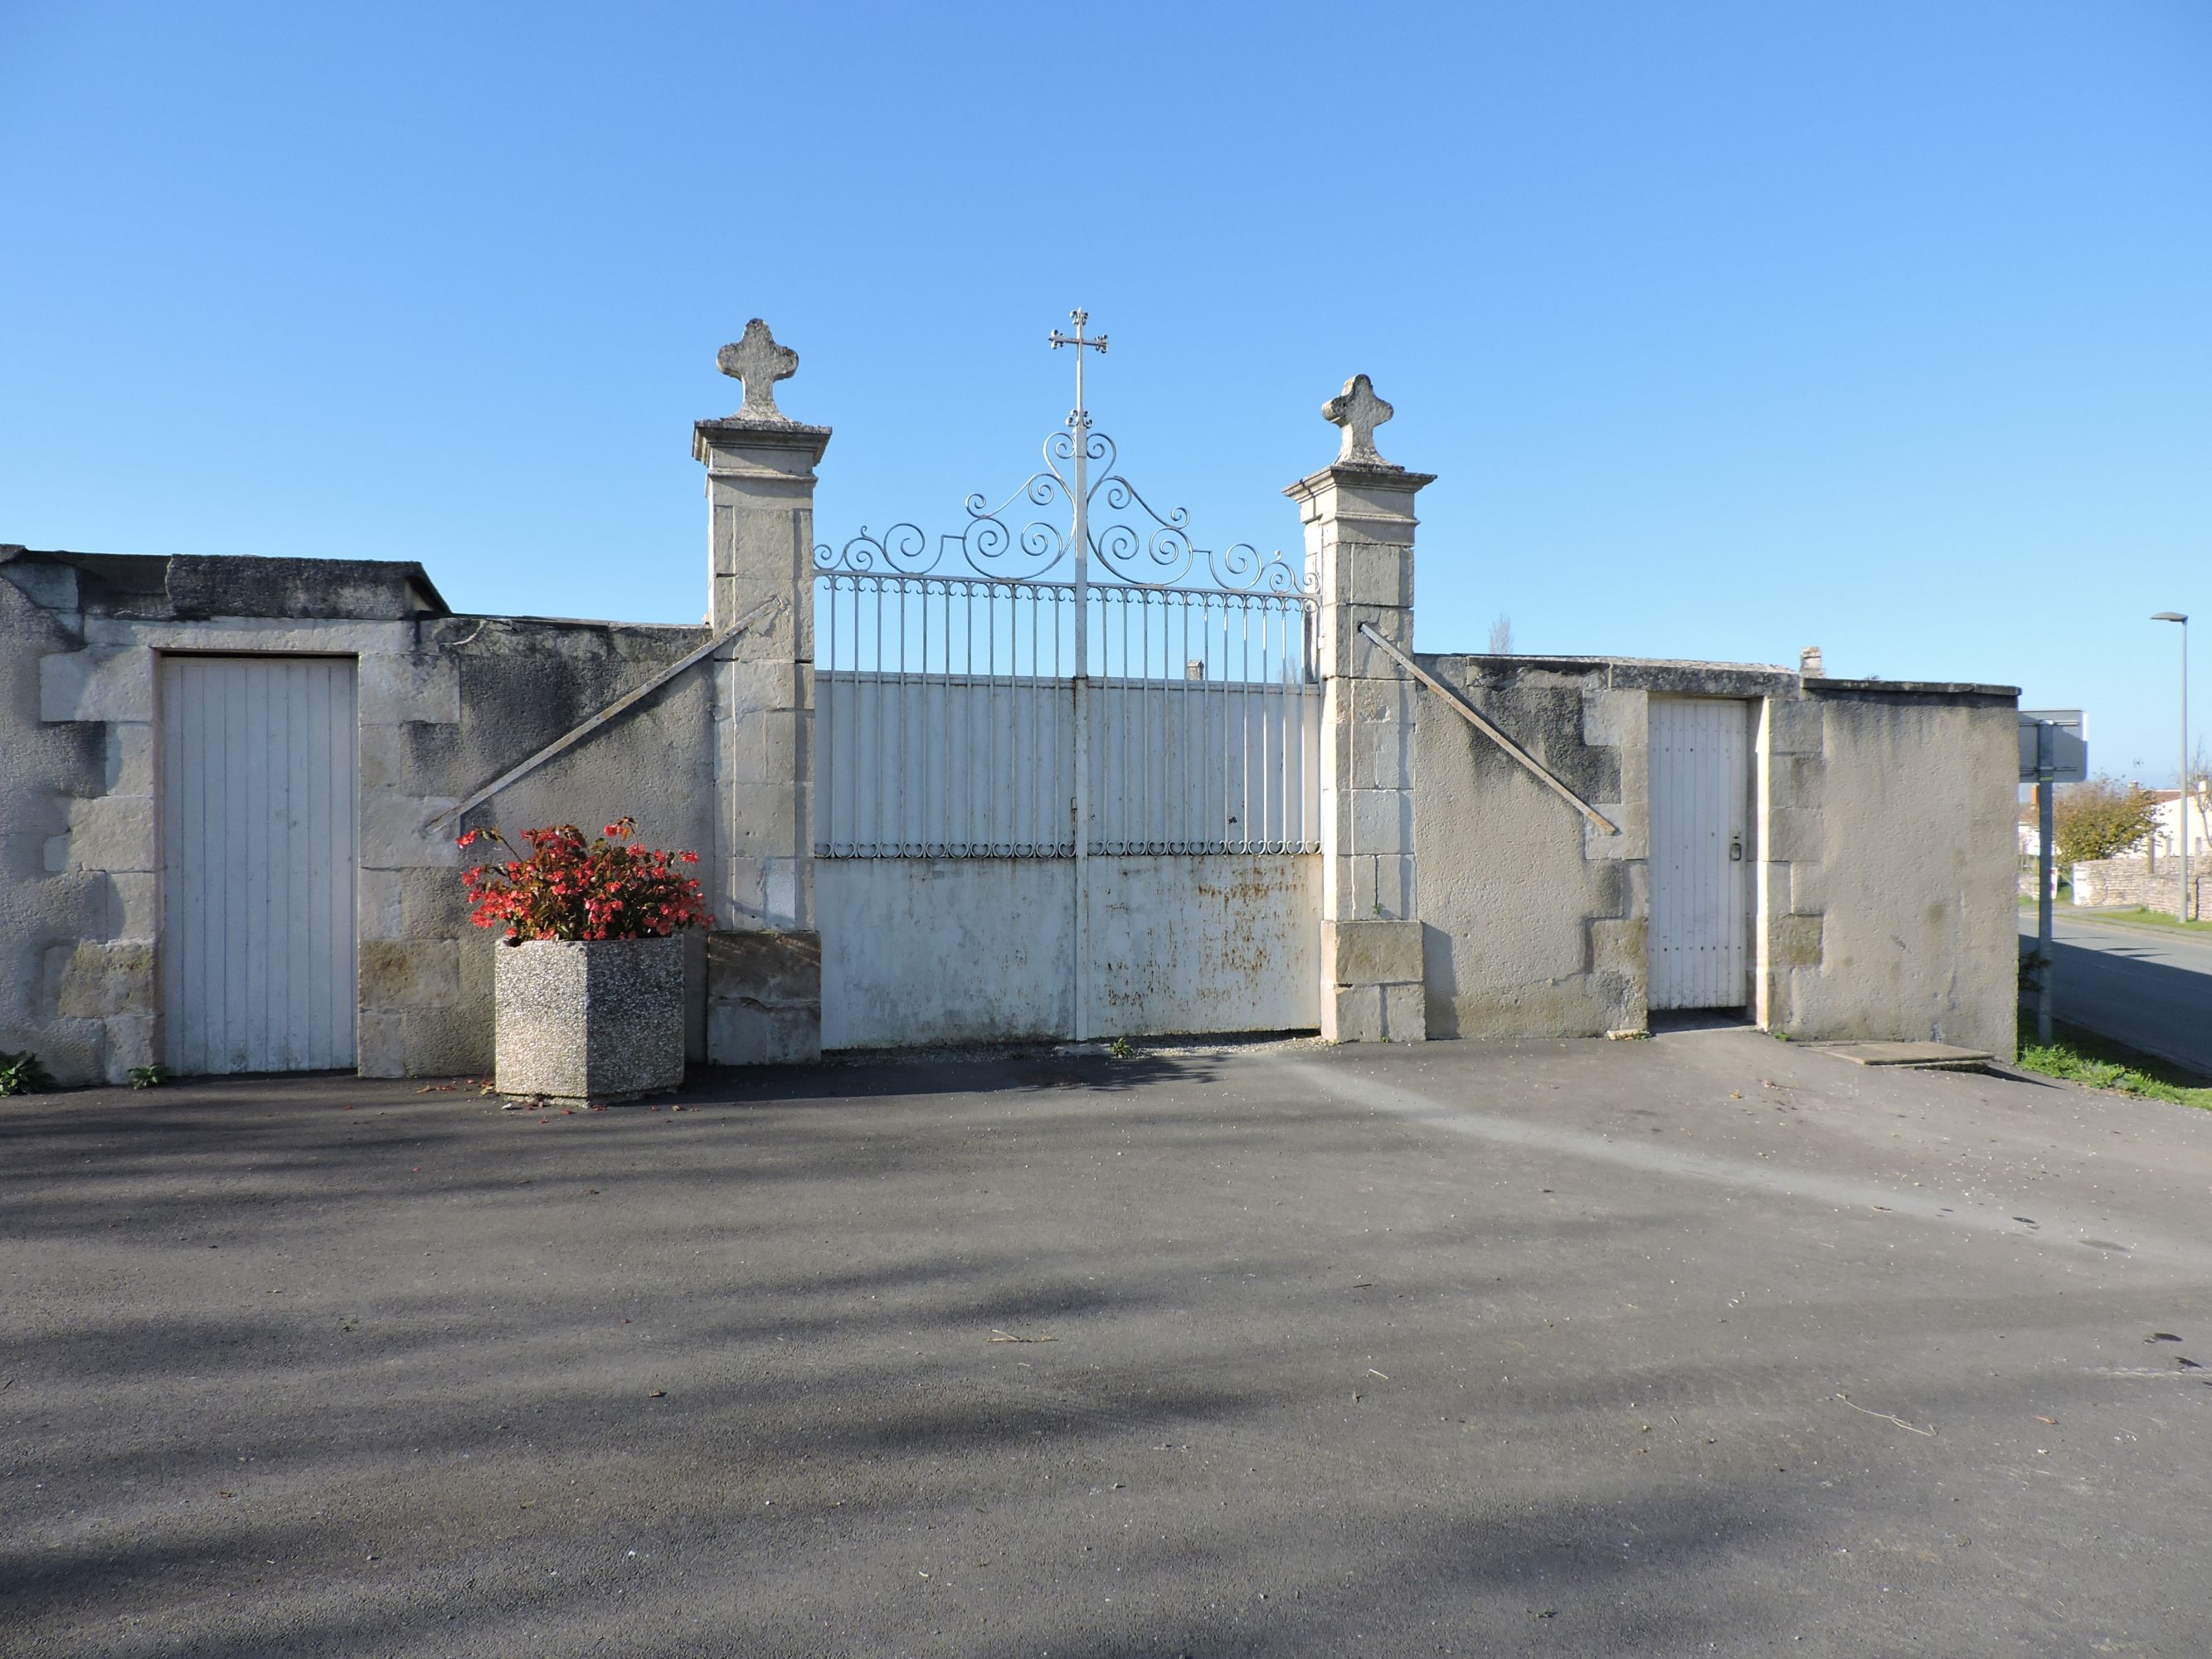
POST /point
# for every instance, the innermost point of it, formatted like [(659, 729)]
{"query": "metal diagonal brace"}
[(628, 700), (1474, 717)]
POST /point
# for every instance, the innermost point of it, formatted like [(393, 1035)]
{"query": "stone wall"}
[(1902, 846), (1533, 919), (445, 704), (1882, 902), (2126, 881)]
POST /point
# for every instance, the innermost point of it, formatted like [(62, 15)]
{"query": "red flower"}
[(569, 888)]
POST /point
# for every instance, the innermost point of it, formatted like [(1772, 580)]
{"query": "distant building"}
[(2165, 840)]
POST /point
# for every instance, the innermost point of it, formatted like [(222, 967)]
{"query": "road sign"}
[(2070, 747)]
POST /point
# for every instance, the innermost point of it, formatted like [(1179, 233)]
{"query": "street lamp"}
[(2182, 810)]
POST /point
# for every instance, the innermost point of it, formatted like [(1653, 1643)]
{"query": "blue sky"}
[(1729, 328)]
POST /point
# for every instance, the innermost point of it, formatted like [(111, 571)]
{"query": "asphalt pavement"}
[(2150, 989), (1709, 1344)]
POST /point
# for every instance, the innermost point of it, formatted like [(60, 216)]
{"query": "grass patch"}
[(2074, 1055)]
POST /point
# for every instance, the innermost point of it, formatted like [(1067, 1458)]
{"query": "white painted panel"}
[(936, 951), (919, 951), (259, 814), (1225, 942), (1700, 854), (927, 766)]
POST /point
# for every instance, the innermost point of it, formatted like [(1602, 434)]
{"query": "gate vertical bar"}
[(1080, 426)]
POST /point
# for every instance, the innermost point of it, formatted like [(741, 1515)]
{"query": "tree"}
[(2099, 819), (1501, 637)]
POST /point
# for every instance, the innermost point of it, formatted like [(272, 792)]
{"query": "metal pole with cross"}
[(2181, 806), (1078, 426), (2045, 772)]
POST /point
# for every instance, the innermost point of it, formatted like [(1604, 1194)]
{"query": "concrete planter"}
[(589, 1021)]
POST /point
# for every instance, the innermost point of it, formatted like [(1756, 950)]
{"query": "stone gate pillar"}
[(1359, 516), (764, 956)]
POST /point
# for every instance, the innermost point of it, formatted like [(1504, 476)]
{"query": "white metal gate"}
[(257, 792), (1700, 854), (1098, 688)]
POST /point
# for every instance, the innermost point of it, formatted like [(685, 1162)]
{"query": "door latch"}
[(1735, 849)]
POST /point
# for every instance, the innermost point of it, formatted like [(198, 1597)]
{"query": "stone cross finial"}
[(1358, 411), (760, 362)]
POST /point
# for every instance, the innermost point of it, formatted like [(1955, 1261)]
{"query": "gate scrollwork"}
[(1131, 541)]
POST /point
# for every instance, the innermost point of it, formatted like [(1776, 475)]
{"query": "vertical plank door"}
[(1700, 854), (258, 786)]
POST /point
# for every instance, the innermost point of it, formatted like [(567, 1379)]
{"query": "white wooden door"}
[(257, 792), (1700, 854)]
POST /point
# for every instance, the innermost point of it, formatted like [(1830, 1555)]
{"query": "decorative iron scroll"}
[(1142, 546)]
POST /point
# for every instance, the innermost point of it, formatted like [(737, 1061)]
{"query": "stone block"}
[(1599, 843), (771, 640), (742, 899), (380, 1043), (1382, 756), (395, 832), (97, 685), (787, 892), (1372, 952), (763, 997), (1369, 573), (134, 904), (1797, 780), (377, 905), (1392, 699), (1616, 720), (410, 973), (739, 1034), (589, 1021), (1341, 879), (769, 968), (1794, 726), (758, 686), (1343, 650), (1382, 888), (129, 757), (1795, 941), (1771, 889), (446, 1041), (114, 832), (770, 746), (132, 1044), (1807, 892), (433, 905), (1405, 1013), (1382, 821), (102, 980), (398, 689), (1793, 835), (383, 753), (1620, 946), (1351, 1013)]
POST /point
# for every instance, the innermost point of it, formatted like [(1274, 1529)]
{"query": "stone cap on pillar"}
[(760, 442), (1360, 483), (774, 440)]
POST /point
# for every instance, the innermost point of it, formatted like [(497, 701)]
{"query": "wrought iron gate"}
[(1060, 689)]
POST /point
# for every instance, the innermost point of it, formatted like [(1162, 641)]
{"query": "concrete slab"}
[(1699, 1345), (1922, 1056)]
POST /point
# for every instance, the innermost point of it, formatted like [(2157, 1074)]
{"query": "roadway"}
[(2148, 988)]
